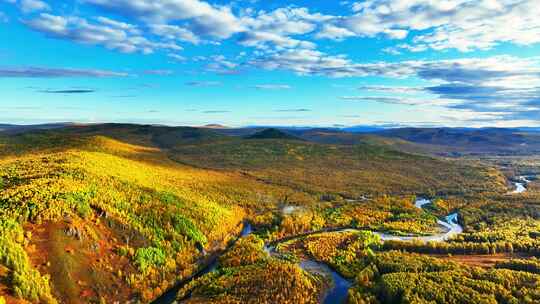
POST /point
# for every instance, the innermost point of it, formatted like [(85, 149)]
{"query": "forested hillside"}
[(122, 212), (84, 215)]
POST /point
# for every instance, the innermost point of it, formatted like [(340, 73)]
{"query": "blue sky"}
[(303, 63)]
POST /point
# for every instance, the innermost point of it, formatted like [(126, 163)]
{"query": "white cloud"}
[(203, 83), (272, 87), (221, 65), (460, 24), (390, 89), (464, 25), (204, 19), (503, 86), (280, 28), (174, 32), (192, 21), (410, 101), (283, 39), (396, 33), (304, 62), (492, 70), (262, 39), (506, 85), (330, 31), (159, 72), (461, 116), (176, 57), (284, 21), (118, 25), (30, 6), (109, 33), (44, 72)]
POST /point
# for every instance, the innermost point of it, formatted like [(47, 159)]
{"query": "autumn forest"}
[(120, 213)]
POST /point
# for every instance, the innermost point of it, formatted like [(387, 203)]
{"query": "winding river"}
[(337, 294), (340, 286), (521, 184), (449, 224)]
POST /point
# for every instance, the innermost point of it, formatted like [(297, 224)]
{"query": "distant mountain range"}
[(256, 128), (456, 141), (23, 128), (436, 141), (377, 128)]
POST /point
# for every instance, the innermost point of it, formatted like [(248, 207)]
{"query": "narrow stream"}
[(449, 223), (169, 297)]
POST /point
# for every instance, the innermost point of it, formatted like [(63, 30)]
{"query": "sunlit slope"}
[(350, 170), (367, 167), (92, 214), (364, 166)]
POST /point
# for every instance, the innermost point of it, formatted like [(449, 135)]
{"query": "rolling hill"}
[(82, 214), (470, 141), (121, 212), (433, 141), (272, 134)]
